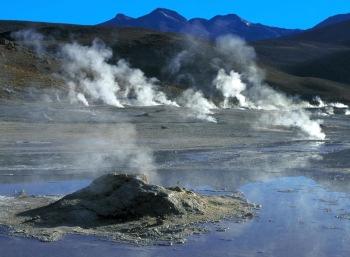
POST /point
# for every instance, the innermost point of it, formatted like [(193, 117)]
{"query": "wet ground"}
[(303, 185)]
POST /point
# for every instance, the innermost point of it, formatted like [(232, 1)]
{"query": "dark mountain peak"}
[(334, 20), (159, 19), (165, 11), (229, 20), (122, 17), (166, 14), (120, 20)]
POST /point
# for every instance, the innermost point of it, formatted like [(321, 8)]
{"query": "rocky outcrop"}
[(120, 198)]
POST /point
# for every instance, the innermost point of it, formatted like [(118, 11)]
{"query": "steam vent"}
[(123, 207)]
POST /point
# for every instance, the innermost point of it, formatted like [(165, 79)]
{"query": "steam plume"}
[(200, 107), (231, 86), (88, 73), (329, 108), (110, 147), (254, 93)]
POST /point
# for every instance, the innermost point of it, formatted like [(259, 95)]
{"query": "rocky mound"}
[(120, 198), (122, 208)]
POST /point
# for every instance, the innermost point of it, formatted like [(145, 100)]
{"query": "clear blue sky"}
[(283, 13)]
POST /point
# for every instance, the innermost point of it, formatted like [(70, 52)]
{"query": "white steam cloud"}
[(250, 91), (89, 76), (200, 107), (231, 86)]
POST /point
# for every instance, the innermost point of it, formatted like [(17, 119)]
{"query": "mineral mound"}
[(123, 208), (120, 198)]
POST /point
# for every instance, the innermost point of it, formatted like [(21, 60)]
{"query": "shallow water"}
[(303, 185)]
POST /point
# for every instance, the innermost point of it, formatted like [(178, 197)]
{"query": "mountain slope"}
[(165, 20), (337, 33), (334, 20), (323, 52), (159, 19)]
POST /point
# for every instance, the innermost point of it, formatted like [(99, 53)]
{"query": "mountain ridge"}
[(335, 19), (165, 20)]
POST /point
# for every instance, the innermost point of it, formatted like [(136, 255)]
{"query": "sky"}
[(282, 13)]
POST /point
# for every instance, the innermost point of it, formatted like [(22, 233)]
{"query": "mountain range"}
[(165, 20)]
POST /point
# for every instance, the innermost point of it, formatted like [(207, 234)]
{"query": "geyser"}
[(251, 92), (199, 106), (231, 86)]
